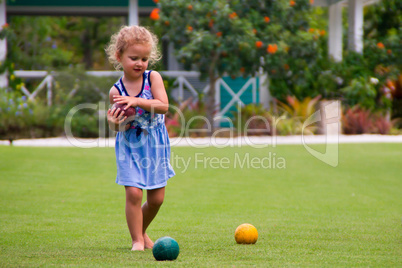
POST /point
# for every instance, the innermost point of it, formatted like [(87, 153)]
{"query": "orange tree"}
[(237, 38)]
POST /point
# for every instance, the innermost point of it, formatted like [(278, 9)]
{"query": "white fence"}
[(183, 87), (48, 79), (46, 82)]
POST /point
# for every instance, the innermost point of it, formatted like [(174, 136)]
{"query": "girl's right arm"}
[(115, 121)]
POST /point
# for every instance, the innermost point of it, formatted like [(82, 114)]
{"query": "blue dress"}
[(143, 151)]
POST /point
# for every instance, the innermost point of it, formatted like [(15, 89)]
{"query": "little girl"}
[(142, 145)]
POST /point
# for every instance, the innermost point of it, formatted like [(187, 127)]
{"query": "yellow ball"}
[(246, 234)]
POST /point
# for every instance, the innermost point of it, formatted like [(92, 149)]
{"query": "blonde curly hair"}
[(131, 35)]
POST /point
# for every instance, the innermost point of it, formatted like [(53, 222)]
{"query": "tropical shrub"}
[(381, 124), (253, 119), (360, 91), (16, 115), (187, 119), (287, 125), (23, 118), (301, 109), (359, 120), (293, 115)]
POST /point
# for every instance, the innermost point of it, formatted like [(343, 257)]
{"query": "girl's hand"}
[(114, 117), (129, 101)]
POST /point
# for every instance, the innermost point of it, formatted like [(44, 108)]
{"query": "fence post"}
[(49, 81), (254, 89), (330, 112), (265, 96)]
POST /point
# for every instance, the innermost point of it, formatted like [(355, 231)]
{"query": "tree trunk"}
[(86, 43), (210, 105)]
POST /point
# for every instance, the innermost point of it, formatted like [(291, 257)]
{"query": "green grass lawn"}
[(60, 206)]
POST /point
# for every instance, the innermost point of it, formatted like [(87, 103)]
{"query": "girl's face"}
[(135, 60)]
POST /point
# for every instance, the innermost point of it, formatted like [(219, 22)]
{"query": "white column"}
[(3, 44), (355, 21), (133, 12), (335, 31)]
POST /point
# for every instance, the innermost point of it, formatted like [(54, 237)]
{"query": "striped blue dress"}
[(143, 151)]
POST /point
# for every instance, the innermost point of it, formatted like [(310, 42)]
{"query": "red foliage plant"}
[(382, 125), (357, 120)]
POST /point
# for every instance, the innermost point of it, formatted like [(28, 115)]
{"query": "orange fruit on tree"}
[(155, 14), (272, 48), (232, 15), (380, 45)]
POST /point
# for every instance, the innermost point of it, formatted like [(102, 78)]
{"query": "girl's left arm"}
[(159, 104)]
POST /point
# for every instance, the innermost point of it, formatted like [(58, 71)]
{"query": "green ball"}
[(165, 249)]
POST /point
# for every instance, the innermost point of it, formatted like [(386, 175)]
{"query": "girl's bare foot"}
[(138, 246), (148, 242)]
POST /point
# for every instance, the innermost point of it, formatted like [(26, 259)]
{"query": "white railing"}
[(48, 78), (181, 84), (46, 82)]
